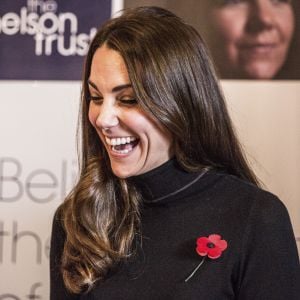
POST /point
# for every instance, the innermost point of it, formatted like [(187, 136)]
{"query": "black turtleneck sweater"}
[(260, 262)]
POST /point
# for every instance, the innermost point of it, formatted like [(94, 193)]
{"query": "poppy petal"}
[(202, 248), (201, 253), (214, 238), (202, 240), (214, 253), (222, 244)]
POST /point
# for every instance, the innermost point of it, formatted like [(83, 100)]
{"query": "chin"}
[(123, 172), (261, 73)]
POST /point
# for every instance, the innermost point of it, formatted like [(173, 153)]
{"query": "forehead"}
[(108, 66)]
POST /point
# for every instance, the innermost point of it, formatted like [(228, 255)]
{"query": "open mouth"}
[(122, 145)]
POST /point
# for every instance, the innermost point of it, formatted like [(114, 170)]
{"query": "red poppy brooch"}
[(211, 246)]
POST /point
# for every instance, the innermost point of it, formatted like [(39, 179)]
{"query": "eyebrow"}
[(115, 89)]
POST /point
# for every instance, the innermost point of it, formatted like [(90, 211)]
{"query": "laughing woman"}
[(166, 206)]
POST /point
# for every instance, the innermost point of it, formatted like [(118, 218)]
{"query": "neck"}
[(165, 183)]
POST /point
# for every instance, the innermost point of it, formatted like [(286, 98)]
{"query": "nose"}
[(108, 116), (261, 15)]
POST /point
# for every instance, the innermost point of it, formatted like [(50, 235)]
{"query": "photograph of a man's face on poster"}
[(248, 39)]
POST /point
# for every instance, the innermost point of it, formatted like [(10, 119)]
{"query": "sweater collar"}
[(167, 182)]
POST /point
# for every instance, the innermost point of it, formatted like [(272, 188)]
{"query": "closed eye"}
[(128, 101), (96, 99), (228, 2)]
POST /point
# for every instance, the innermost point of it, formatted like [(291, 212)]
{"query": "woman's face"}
[(251, 37), (135, 143)]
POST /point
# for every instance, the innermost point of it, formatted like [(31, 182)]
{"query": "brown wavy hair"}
[(175, 83)]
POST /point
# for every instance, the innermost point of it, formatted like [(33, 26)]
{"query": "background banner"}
[(47, 39), (37, 168), (247, 39)]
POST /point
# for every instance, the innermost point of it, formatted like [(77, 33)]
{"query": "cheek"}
[(159, 136), (136, 120), (286, 21), (228, 26)]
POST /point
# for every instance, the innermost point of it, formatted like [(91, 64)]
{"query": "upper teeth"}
[(119, 140)]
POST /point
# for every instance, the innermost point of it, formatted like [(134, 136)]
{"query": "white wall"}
[(267, 117), (37, 168)]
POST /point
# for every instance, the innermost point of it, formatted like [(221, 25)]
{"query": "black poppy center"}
[(210, 245)]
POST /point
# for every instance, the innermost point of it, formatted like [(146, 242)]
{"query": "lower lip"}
[(259, 50), (121, 155)]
